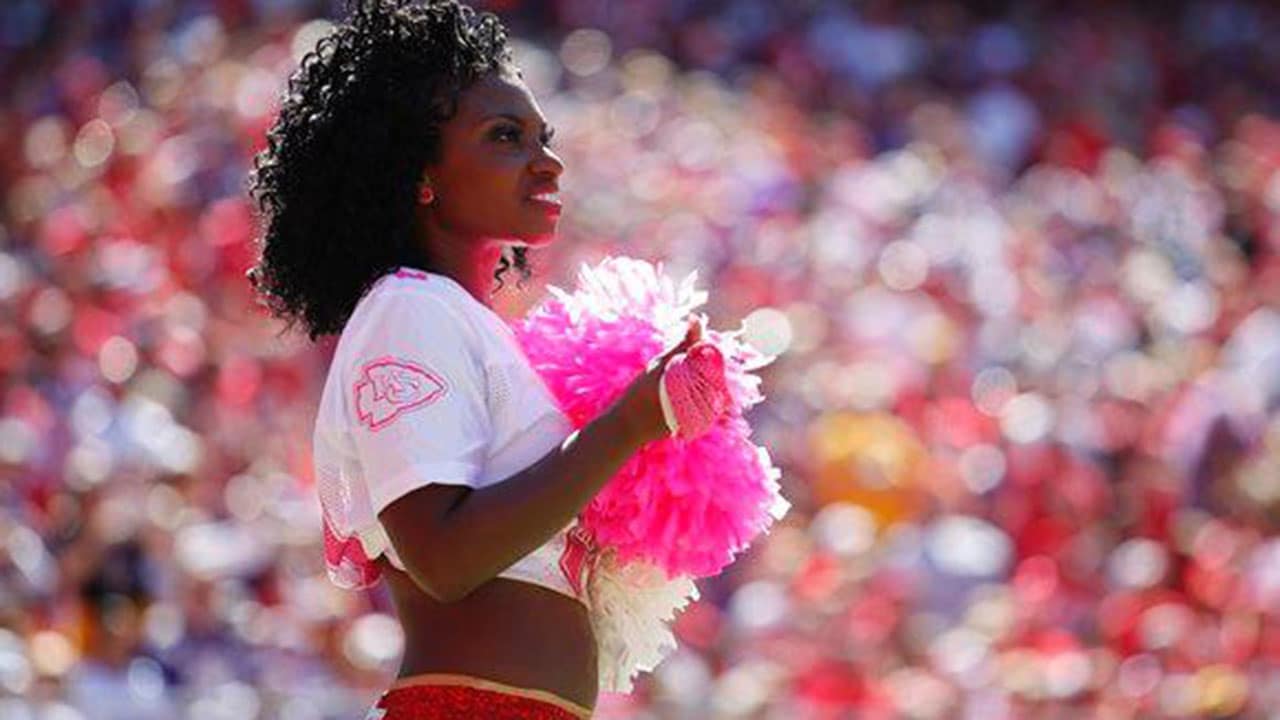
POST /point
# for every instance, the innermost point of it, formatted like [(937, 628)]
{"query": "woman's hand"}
[(640, 409), (694, 390)]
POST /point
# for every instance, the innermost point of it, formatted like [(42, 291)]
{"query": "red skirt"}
[(439, 696)]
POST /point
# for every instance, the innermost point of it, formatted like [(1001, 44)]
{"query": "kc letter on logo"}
[(389, 386)]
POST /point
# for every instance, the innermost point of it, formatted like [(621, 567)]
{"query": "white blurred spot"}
[(16, 709), (50, 311), (201, 41), (118, 104), (94, 143), (373, 641), (13, 274), (255, 93), (683, 679), (163, 624), (218, 549), (89, 463), (1163, 625), (15, 670), (1190, 308), (46, 141), (52, 653), (968, 546), (91, 412), (745, 689), (146, 679), (844, 528), (759, 604), (1138, 563), (982, 467), (960, 651), (903, 265), (17, 440), (1067, 674), (1026, 418), (919, 695), (1179, 695), (306, 37), (1138, 675), (57, 710), (768, 330), (117, 359), (585, 51)]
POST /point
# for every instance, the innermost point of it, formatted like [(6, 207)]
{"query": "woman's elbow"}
[(438, 585)]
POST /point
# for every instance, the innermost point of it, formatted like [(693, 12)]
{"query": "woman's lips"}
[(547, 204)]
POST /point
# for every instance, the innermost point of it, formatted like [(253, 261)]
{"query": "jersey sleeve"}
[(416, 397)]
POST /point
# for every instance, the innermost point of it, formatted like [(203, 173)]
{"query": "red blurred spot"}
[(830, 682), (957, 422), (1212, 586), (181, 352), (1046, 535), (14, 351), (699, 625), (817, 579), (63, 231), (301, 461), (1239, 636), (870, 620), (1036, 579), (238, 381), (1052, 641), (228, 227), (1117, 615), (92, 326), (83, 77), (1269, 646), (25, 404)]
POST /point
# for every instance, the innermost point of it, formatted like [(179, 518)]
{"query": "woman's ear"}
[(425, 192)]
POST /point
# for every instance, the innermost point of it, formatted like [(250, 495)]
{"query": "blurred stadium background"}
[(1021, 262)]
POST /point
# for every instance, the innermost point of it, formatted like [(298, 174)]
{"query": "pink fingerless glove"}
[(694, 392)]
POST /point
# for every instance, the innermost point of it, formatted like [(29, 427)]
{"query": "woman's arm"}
[(452, 539)]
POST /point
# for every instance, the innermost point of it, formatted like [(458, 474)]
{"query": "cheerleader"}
[(408, 169)]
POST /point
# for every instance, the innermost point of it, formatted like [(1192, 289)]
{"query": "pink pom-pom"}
[(685, 505)]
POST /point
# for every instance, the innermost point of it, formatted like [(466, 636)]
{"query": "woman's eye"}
[(504, 134)]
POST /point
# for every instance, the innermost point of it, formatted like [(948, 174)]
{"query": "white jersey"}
[(427, 385)]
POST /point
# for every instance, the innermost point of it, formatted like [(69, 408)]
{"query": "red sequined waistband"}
[(441, 696)]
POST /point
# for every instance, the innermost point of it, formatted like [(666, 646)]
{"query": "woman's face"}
[(497, 177)]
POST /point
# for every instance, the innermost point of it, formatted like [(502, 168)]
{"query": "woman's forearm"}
[(493, 527)]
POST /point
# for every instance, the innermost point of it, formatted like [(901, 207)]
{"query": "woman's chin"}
[(537, 238)]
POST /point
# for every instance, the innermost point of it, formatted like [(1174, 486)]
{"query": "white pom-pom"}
[(631, 607)]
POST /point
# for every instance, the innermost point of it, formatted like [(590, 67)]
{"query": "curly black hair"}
[(360, 119)]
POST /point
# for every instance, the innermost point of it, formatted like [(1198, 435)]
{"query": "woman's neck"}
[(471, 265)]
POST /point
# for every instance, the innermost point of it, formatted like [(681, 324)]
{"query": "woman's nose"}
[(546, 161)]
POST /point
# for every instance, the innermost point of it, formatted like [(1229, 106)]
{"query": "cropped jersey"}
[(427, 385)]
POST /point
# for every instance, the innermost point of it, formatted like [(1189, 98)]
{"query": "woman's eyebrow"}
[(508, 116)]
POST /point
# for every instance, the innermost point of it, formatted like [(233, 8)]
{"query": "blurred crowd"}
[(1020, 264)]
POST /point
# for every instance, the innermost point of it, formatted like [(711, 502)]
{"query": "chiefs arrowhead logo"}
[(389, 387)]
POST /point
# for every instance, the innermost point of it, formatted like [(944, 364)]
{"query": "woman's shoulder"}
[(407, 296), (400, 310)]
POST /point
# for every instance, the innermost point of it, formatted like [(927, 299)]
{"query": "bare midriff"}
[(507, 631)]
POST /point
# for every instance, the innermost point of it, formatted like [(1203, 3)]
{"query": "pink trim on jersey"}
[(389, 387), (412, 273)]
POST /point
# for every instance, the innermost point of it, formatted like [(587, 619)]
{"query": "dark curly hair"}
[(337, 182)]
